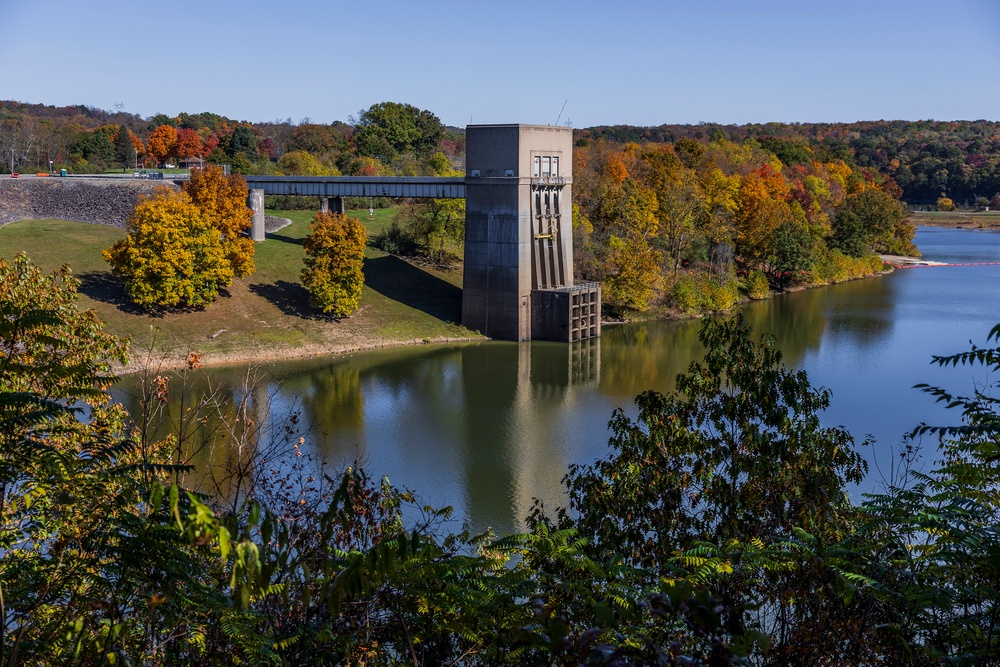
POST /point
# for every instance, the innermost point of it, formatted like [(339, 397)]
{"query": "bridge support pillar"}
[(256, 203), (325, 205)]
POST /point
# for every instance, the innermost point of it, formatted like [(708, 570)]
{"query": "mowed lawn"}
[(264, 316)]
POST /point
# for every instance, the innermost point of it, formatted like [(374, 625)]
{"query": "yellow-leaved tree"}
[(223, 201), (335, 252), (173, 256)]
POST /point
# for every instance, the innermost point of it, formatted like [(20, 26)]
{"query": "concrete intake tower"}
[(518, 281)]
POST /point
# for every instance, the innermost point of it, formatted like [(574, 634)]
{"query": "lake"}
[(488, 427)]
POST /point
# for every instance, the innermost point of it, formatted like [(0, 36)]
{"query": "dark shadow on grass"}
[(284, 239), (290, 298), (104, 287), (414, 287)]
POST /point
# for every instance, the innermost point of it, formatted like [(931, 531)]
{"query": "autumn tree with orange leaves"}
[(182, 247), (223, 200), (686, 225), (162, 143), (188, 144)]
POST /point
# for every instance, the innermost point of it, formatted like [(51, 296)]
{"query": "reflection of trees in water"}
[(860, 310), (637, 357), (795, 320), (331, 396)]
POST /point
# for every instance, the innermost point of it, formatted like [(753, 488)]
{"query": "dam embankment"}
[(98, 201)]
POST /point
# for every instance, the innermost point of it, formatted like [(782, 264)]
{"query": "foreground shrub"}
[(717, 531)]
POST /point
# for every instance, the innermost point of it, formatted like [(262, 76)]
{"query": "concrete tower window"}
[(555, 167), (536, 170), (546, 166)]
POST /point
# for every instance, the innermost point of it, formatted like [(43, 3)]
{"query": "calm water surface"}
[(487, 427)]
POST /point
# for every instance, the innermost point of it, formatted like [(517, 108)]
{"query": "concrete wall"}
[(495, 289), (566, 314), (503, 254), (552, 259)]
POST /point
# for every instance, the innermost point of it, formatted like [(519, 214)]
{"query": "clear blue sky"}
[(617, 62)]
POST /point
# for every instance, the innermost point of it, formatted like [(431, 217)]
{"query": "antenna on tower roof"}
[(561, 111)]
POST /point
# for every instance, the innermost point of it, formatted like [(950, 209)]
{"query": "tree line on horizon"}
[(927, 159), (386, 138)]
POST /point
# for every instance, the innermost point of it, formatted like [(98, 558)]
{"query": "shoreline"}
[(957, 221), (409, 307), (168, 362)]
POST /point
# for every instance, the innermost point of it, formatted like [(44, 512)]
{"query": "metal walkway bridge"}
[(360, 186)]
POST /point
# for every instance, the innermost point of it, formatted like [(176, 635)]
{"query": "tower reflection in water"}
[(484, 428)]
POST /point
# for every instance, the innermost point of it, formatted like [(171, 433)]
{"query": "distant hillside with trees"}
[(388, 138), (927, 159)]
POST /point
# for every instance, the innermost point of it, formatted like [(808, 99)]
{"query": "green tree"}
[(241, 164), (387, 129), (124, 150), (335, 251), (867, 221), (96, 148), (850, 235), (242, 140), (432, 225), (792, 248), (736, 457), (173, 256)]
